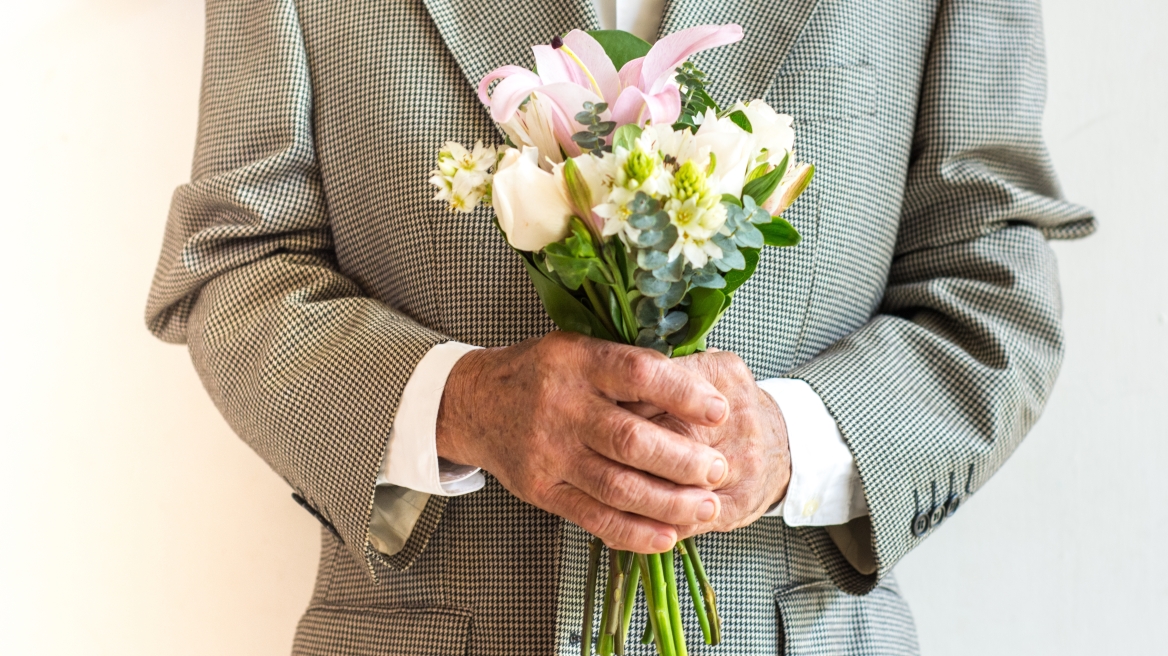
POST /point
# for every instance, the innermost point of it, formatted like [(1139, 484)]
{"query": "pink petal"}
[(567, 99), (510, 94), (668, 53), (630, 73), (592, 54), (553, 66), (636, 106), (501, 72)]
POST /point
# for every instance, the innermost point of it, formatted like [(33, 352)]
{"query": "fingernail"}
[(715, 409), (706, 511), (662, 543), (717, 471)]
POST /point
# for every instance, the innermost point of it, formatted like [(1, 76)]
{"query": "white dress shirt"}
[(825, 487)]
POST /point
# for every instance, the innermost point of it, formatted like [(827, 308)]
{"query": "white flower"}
[(773, 133), (463, 176), (530, 203), (734, 150), (625, 173), (532, 127), (696, 210)]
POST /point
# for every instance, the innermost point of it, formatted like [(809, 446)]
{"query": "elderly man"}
[(866, 382)]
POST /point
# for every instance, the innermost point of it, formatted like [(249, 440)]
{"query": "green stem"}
[(707, 591), (601, 311), (612, 626), (622, 297), (660, 608), (669, 566), (590, 596), (604, 647), (695, 593), (647, 634), (632, 578), (654, 620)]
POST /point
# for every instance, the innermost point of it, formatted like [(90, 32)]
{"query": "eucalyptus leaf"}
[(671, 271), (672, 296), (749, 236), (671, 323), (650, 286), (668, 238), (648, 238), (648, 314), (780, 233), (564, 309), (648, 338), (651, 259), (708, 279), (731, 260)]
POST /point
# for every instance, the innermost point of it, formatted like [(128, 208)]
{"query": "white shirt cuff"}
[(411, 457), (825, 487)]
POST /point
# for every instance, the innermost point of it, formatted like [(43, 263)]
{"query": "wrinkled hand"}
[(754, 439), (543, 417)]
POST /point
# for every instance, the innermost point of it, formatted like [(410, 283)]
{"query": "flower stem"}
[(601, 311), (632, 579), (670, 571), (604, 642), (660, 608), (707, 591), (695, 593), (590, 596)]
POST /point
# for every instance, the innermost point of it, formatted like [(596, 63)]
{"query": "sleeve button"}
[(920, 524), (952, 504)]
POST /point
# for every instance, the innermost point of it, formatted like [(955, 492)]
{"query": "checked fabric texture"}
[(308, 271)]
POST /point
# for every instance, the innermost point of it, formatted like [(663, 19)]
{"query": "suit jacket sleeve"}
[(304, 367), (936, 391)]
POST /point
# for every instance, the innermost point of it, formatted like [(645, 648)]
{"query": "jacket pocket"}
[(819, 619), (827, 94), (344, 631)]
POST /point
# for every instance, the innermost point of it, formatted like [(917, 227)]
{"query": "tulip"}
[(530, 203)]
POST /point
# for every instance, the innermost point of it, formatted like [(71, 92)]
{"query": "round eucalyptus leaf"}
[(648, 314), (671, 323)]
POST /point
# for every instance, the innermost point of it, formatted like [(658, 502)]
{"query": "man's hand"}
[(754, 440), (543, 417)]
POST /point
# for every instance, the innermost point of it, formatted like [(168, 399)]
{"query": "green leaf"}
[(779, 233), (704, 309), (580, 242), (732, 199), (736, 277), (707, 100), (739, 119), (761, 188), (571, 270), (626, 136), (620, 46), (564, 309)]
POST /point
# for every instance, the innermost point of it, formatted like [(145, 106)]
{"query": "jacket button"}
[(952, 504), (920, 524)]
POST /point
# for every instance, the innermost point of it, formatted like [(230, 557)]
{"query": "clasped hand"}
[(637, 449)]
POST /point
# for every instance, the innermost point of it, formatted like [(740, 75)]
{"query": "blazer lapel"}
[(746, 70), (486, 34)]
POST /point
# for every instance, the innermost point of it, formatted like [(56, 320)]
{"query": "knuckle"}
[(627, 439), (641, 367)]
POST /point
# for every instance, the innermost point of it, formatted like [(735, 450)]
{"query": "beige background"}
[(136, 523)]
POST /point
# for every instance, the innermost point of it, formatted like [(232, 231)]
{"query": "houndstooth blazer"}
[(308, 270)]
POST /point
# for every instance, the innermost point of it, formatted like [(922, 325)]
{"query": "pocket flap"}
[(337, 631), (825, 94)]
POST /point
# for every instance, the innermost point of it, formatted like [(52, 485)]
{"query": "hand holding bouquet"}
[(638, 206)]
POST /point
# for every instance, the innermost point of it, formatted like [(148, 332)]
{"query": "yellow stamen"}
[(595, 87)]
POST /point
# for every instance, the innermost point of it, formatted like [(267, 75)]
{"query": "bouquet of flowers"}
[(638, 206)]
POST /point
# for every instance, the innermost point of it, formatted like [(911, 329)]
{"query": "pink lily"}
[(578, 70)]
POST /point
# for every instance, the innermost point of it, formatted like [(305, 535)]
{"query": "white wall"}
[(136, 523)]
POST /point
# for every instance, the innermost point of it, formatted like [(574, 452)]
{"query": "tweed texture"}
[(308, 271)]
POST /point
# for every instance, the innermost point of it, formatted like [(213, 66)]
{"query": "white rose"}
[(530, 203), (772, 131), (733, 147)]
